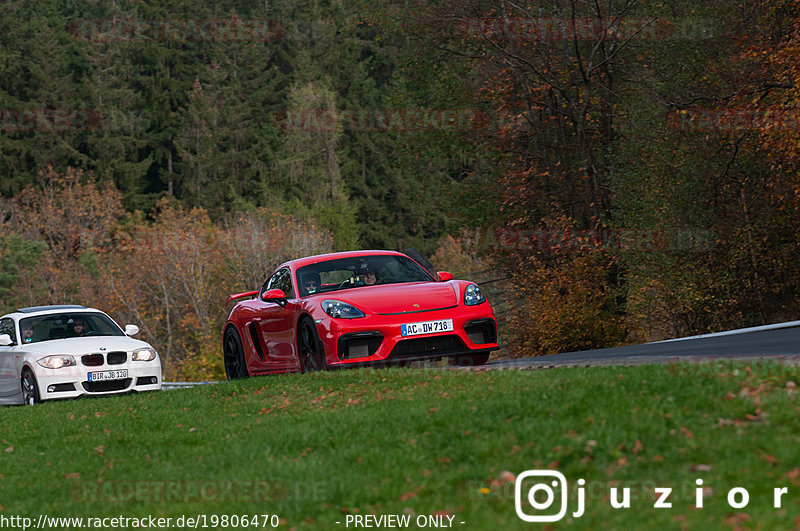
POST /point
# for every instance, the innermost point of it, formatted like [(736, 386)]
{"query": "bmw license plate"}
[(101, 376), (427, 327)]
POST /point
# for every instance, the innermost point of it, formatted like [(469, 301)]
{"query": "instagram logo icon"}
[(538, 502)]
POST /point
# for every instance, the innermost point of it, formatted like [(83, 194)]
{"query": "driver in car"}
[(311, 283), (78, 327)]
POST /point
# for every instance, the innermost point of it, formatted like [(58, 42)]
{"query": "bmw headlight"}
[(144, 354), (473, 295), (56, 362), (341, 310)]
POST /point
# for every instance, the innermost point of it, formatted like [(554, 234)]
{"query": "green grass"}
[(313, 449)]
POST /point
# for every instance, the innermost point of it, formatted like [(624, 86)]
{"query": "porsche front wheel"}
[(30, 391), (233, 353), (309, 347)]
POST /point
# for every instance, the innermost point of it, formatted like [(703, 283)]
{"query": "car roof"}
[(300, 262), (37, 309), (52, 309)]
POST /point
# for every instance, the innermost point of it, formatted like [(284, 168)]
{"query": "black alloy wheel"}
[(233, 353), (30, 391), (312, 354)]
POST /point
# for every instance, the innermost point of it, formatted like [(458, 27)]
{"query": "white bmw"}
[(50, 352)]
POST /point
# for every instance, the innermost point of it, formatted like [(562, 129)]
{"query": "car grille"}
[(113, 358), (117, 358), (482, 331), (359, 345), (428, 346), (92, 360), (106, 386)]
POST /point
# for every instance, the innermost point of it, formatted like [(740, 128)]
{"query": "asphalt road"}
[(782, 344)]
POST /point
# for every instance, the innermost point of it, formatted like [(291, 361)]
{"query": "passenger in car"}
[(27, 334)]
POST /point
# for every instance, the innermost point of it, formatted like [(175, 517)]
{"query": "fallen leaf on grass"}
[(411, 494), (770, 459), (758, 416), (736, 519), (508, 476)]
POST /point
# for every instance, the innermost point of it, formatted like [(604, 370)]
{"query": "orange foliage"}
[(559, 296), (171, 277)]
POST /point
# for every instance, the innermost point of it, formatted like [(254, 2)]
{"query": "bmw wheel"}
[(233, 354), (30, 391), (310, 350)]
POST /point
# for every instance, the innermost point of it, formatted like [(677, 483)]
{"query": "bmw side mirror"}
[(5, 340), (131, 330), (444, 276)]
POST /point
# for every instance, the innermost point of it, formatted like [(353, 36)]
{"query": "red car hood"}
[(400, 298)]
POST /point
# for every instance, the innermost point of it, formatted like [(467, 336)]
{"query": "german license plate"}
[(427, 327), (101, 376)]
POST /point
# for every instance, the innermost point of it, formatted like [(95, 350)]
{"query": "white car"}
[(50, 352)]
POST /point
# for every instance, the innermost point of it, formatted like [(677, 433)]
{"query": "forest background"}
[(610, 171)]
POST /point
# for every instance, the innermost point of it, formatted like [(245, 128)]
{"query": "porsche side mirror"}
[(5, 340), (444, 276), (274, 295), (131, 330)]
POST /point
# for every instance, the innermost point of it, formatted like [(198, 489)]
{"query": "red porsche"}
[(353, 309)]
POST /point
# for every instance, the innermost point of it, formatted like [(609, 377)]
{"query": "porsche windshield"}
[(66, 325), (358, 271)]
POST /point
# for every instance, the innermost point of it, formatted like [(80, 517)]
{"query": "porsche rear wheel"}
[(309, 348), (233, 353), (472, 360), (30, 390)]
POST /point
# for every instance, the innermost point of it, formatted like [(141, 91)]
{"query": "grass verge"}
[(314, 449)]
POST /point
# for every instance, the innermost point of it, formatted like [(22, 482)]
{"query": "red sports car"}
[(356, 308)]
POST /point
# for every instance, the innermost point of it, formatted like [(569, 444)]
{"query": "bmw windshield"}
[(358, 271), (67, 325)]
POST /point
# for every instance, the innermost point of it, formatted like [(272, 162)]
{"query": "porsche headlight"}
[(144, 354), (473, 295), (341, 310), (56, 362)]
